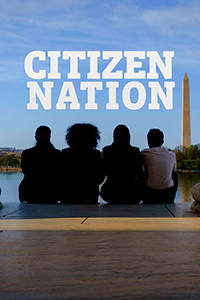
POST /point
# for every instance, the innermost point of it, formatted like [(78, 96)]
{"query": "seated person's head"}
[(82, 135), (121, 135), (155, 138), (43, 134)]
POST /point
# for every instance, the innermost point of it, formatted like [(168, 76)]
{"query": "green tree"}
[(191, 152), (10, 160), (179, 156)]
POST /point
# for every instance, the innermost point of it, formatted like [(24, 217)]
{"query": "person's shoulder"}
[(57, 152), (172, 153), (107, 148), (135, 149), (145, 150), (28, 150), (169, 151), (96, 152), (67, 154), (65, 150), (53, 149)]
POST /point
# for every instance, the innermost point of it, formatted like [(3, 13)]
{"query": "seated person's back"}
[(160, 181), (40, 165), (123, 168), (82, 165)]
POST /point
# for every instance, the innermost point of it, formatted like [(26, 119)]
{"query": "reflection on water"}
[(9, 183), (185, 184)]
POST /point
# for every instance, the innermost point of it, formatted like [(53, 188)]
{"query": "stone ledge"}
[(43, 211)]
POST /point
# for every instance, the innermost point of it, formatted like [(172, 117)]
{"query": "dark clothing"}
[(81, 175), (123, 168), (40, 165), (153, 196)]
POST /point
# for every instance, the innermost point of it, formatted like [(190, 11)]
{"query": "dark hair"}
[(82, 135), (43, 134), (121, 134), (155, 138)]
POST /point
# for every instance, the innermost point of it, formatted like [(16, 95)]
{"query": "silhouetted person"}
[(40, 165), (81, 165), (160, 183), (123, 167)]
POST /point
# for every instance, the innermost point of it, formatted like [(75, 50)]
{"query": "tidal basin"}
[(9, 182)]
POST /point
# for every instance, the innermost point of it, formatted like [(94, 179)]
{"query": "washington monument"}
[(186, 138)]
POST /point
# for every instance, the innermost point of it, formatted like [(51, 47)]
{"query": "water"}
[(9, 182), (185, 184)]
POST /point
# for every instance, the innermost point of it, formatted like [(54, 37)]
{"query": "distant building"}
[(8, 150)]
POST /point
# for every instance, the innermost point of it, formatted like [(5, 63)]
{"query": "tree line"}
[(190, 159), (10, 160)]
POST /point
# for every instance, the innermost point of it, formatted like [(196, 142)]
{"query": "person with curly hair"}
[(81, 164)]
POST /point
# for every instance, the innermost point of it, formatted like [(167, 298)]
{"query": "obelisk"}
[(186, 138)]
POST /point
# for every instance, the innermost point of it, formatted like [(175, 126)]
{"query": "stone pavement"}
[(99, 252)]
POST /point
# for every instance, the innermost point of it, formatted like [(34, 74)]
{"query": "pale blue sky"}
[(88, 25)]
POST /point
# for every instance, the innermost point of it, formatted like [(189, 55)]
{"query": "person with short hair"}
[(40, 165), (160, 179)]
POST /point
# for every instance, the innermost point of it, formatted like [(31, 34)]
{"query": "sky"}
[(89, 25)]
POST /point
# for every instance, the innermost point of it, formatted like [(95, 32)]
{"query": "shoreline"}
[(188, 172), (10, 169)]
